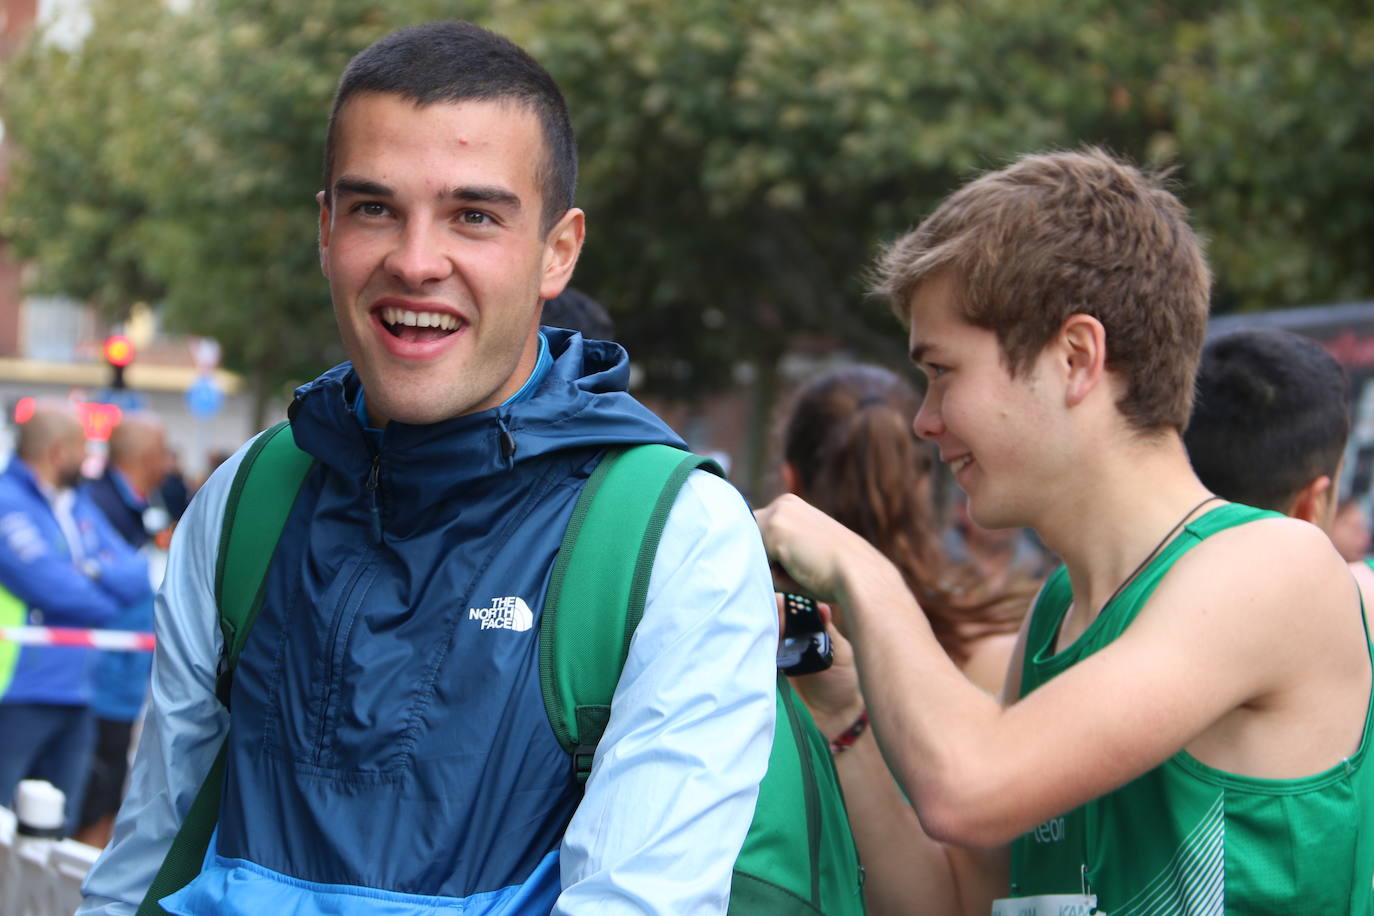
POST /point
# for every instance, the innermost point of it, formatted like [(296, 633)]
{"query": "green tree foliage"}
[(73, 205), (1274, 127), (742, 161), (181, 164)]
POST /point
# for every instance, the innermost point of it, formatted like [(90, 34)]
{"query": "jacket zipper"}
[(346, 608), (373, 479), (346, 611)]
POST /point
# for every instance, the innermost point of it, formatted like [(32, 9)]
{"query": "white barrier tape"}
[(110, 640)]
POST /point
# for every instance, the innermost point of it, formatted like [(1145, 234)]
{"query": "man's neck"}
[(44, 477), (1121, 505)]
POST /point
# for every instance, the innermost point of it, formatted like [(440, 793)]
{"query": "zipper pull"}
[(507, 441), (373, 478)]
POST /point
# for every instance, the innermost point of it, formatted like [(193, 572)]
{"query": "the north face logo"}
[(504, 614)]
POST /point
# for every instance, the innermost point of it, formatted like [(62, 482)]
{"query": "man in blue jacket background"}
[(387, 750), (127, 495), (61, 564)]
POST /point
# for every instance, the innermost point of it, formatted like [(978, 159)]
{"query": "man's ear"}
[(1083, 354), (791, 480), (1313, 501), (324, 232), (561, 250)]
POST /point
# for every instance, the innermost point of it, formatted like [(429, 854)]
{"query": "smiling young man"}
[(1186, 718), (388, 748)]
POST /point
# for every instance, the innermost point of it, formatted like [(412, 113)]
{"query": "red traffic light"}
[(118, 350)]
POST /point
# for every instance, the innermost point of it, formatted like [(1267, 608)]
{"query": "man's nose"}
[(928, 422), (419, 257)]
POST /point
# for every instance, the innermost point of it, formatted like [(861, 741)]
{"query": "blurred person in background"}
[(174, 490), (129, 496), (1269, 430), (1350, 530), (576, 311), (849, 449), (1003, 558), (61, 564)]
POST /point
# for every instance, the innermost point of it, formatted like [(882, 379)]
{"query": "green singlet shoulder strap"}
[(1218, 518), (260, 498), (1042, 662), (598, 587)]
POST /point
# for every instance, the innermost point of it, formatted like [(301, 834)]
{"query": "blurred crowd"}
[(80, 553)]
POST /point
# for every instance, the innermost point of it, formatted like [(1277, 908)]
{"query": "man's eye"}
[(370, 208), (475, 218), (934, 370)]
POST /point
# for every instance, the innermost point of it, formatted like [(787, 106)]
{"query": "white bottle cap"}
[(39, 806)]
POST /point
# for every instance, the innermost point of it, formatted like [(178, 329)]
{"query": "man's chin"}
[(418, 411)]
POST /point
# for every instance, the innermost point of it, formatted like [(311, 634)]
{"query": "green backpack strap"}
[(260, 498), (598, 587)]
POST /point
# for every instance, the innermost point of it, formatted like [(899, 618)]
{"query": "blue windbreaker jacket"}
[(388, 733)]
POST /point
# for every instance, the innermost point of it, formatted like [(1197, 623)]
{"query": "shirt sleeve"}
[(185, 723), (675, 777)]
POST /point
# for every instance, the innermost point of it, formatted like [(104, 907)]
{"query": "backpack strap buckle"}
[(582, 756)]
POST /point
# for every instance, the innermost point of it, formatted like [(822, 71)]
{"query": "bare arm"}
[(906, 872), (980, 774)]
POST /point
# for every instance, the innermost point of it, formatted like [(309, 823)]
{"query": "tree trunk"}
[(763, 396)]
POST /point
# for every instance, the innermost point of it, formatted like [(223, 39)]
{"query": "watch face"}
[(155, 519)]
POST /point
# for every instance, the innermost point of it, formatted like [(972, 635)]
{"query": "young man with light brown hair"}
[(1185, 719)]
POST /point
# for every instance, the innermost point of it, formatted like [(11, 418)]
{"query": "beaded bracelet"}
[(845, 739)]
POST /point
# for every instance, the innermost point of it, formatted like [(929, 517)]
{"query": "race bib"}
[(1048, 905)]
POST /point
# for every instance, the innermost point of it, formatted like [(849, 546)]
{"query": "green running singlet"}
[(1185, 838)]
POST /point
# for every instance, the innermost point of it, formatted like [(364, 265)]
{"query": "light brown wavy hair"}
[(1061, 233)]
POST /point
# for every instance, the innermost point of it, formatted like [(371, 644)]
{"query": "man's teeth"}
[(959, 464), (439, 320)]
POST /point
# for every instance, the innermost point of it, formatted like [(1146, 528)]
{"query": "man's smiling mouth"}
[(418, 326)]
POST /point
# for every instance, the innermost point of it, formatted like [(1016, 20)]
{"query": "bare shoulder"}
[(1263, 605), (1270, 611), (1265, 564)]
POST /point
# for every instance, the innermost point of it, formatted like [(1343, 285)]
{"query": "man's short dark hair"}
[(457, 61), (1272, 415)]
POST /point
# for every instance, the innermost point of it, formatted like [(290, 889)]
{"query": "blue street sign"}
[(204, 398)]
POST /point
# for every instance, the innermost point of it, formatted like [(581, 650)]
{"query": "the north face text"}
[(504, 614)]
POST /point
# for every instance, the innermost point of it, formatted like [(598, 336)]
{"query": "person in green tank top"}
[(1185, 723)]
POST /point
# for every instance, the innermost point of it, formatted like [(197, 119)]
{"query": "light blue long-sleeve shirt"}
[(675, 777)]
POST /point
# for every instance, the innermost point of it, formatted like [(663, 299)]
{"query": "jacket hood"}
[(581, 404)]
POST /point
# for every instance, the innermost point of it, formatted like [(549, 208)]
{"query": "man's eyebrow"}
[(483, 194), (361, 187), (919, 352)]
